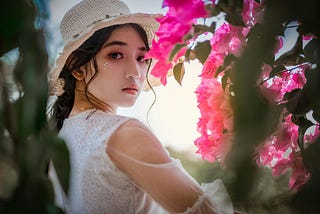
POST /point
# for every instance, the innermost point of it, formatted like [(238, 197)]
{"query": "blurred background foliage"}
[(26, 143)]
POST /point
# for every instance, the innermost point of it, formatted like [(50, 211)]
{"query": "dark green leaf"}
[(178, 72), (235, 19), (187, 55), (227, 62), (303, 124), (175, 50), (203, 50), (188, 37), (199, 29), (190, 55), (301, 121), (213, 10), (316, 115), (224, 80), (312, 51), (219, 70), (61, 162), (312, 88), (296, 102), (229, 59), (311, 157), (269, 58), (213, 27), (277, 70), (255, 32)]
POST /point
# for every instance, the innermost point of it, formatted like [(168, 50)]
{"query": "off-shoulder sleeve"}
[(214, 199), (173, 188)]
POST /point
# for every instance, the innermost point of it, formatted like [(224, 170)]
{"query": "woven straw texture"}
[(88, 16)]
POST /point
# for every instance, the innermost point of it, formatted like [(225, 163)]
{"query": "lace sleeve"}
[(173, 188), (214, 199)]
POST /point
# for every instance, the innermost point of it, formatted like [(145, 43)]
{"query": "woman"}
[(117, 164)]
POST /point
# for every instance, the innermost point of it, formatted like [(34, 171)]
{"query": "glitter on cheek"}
[(107, 66)]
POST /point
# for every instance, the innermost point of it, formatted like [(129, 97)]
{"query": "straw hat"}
[(88, 16)]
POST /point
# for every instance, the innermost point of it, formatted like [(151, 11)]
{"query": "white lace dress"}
[(97, 186)]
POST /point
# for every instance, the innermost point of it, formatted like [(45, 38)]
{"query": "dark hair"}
[(80, 57)]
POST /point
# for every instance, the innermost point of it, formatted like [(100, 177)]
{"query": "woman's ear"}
[(78, 74)]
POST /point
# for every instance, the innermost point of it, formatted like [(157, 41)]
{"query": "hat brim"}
[(146, 21)]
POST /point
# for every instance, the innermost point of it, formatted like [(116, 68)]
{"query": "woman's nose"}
[(133, 70)]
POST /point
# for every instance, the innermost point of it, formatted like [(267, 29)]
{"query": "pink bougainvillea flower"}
[(314, 133), (282, 153), (173, 27), (307, 37), (228, 39), (277, 86), (216, 122), (176, 3), (279, 45), (212, 63), (299, 174), (160, 70), (251, 12)]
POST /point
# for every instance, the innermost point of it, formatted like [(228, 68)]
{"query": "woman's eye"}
[(115, 55), (143, 59)]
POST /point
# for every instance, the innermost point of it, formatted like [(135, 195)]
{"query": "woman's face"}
[(122, 69)]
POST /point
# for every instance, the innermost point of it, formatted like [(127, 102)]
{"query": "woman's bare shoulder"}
[(136, 140)]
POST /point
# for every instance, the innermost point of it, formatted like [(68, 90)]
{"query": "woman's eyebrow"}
[(120, 43)]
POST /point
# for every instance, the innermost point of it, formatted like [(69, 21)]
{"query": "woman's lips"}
[(130, 90)]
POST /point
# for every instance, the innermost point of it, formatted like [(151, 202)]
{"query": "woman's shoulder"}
[(136, 140)]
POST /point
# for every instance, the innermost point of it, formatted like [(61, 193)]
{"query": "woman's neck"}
[(84, 100)]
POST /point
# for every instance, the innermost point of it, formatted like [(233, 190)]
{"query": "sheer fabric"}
[(99, 186)]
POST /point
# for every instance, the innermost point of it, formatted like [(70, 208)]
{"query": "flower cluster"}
[(281, 150), (216, 122), (173, 27)]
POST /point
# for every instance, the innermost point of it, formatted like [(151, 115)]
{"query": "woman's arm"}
[(140, 155)]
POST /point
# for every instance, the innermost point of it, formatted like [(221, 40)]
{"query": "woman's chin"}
[(127, 104)]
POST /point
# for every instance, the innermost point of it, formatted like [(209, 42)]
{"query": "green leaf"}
[(301, 121), (312, 51), (303, 124), (277, 70), (255, 32), (269, 58), (212, 10), (311, 88), (229, 59), (199, 29), (61, 162), (227, 62), (224, 80), (235, 19), (316, 115), (178, 72), (213, 27), (311, 157), (296, 102), (175, 50), (203, 50), (220, 69)]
